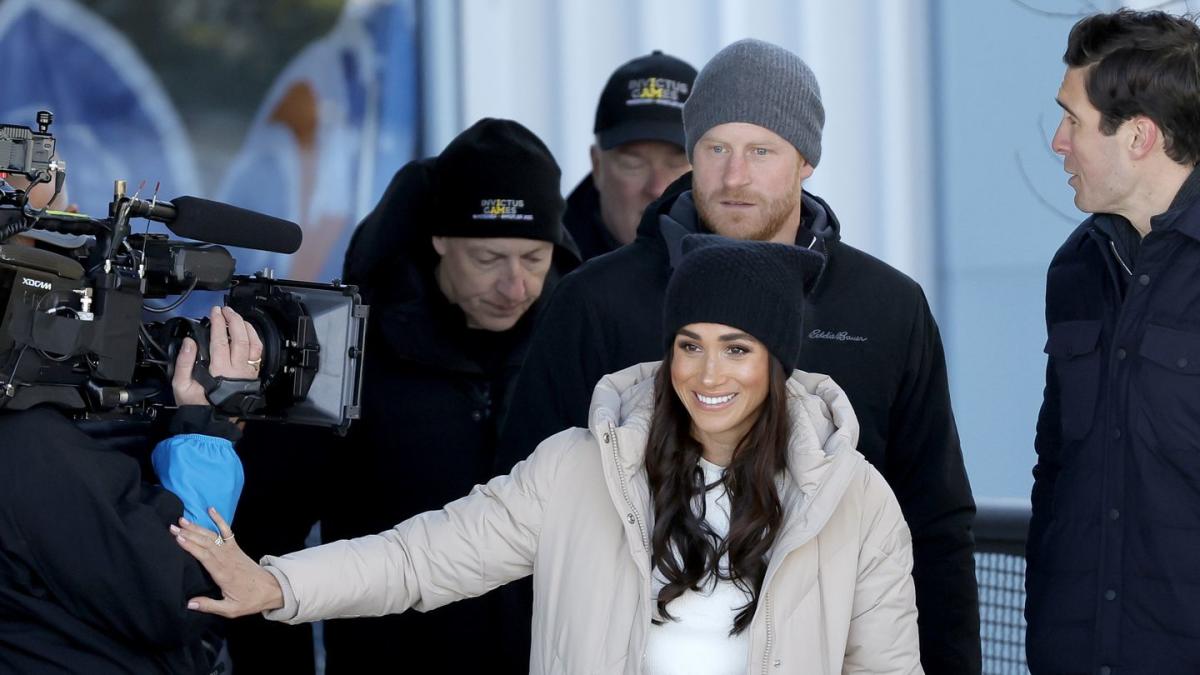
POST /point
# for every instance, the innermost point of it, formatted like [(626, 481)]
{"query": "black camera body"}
[(72, 333)]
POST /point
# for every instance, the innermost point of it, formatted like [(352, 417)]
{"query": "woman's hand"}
[(235, 351), (246, 587)]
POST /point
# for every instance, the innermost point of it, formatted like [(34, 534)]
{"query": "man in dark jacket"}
[(637, 154), (1113, 576), (753, 125), (453, 262)]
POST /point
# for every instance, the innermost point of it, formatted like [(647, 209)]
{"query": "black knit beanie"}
[(497, 179), (754, 286)]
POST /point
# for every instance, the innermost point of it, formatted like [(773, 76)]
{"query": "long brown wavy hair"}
[(684, 549)]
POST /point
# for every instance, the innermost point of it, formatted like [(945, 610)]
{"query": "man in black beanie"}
[(638, 151), (753, 123), (453, 262)]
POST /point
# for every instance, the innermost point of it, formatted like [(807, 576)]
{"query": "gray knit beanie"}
[(757, 83)]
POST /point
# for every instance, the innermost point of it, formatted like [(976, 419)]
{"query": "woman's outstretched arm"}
[(466, 549)]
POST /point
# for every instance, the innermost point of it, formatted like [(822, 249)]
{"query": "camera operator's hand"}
[(246, 588), (235, 351)]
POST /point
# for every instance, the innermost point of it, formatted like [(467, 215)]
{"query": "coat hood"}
[(391, 259), (673, 216), (676, 203), (821, 449)]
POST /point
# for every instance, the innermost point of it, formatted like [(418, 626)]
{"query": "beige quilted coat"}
[(838, 591)]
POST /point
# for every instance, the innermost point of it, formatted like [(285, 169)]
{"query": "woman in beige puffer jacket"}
[(837, 595)]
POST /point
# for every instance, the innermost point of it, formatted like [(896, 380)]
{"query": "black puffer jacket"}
[(1113, 577), (867, 325)]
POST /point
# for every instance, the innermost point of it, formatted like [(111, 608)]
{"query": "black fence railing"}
[(1000, 528)]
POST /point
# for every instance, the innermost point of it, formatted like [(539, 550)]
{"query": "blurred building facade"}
[(936, 149)]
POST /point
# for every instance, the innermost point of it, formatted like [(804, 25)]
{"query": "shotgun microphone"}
[(217, 223)]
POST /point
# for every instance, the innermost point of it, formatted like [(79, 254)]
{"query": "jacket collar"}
[(425, 328), (667, 221), (584, 222), (1184, 213), (818, 217), (1188, 192), (1183, 216)]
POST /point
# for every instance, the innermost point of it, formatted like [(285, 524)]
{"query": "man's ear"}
[(1145, 138), (439, 245), (594, 152), (806, 169)]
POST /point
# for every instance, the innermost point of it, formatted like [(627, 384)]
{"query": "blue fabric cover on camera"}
[(202, 471)]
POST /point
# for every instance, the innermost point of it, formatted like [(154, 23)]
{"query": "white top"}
[(698, 641)]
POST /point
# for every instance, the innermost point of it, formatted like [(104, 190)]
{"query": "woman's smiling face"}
[(721, 374)]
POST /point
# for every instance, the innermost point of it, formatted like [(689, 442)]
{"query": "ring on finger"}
[(219, 541)]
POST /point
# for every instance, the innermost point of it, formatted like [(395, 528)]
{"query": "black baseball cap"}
[(643, 101)]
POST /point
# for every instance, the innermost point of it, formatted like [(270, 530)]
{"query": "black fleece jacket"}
[(866, 324)]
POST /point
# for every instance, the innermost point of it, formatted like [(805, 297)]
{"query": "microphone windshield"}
[(218, 223)]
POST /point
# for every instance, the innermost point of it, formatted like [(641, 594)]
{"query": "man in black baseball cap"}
[(637, 154)]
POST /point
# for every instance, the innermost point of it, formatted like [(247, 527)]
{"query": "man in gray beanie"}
[(753, 131)]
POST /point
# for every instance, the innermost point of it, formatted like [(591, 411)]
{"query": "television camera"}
[(73, 333)]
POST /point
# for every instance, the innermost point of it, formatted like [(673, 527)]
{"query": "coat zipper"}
[(767, 651), (637, 517), (1113, 246)]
